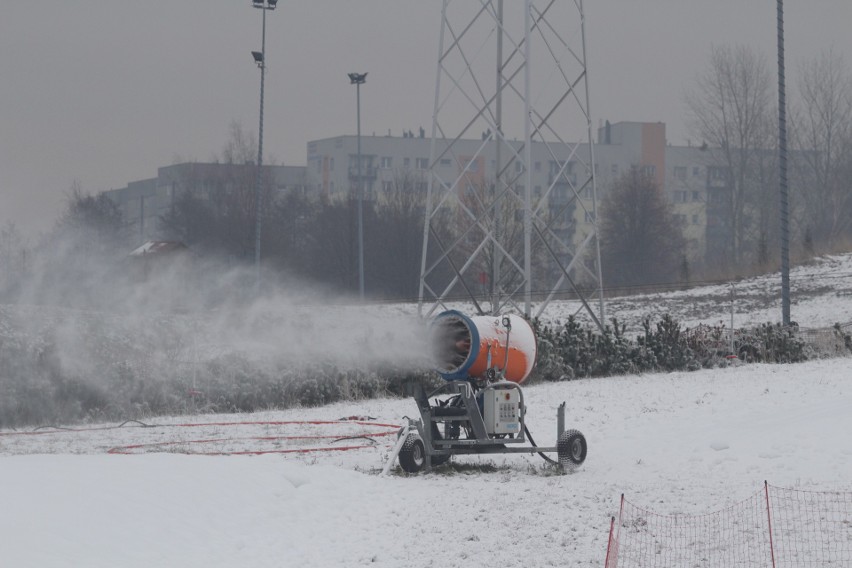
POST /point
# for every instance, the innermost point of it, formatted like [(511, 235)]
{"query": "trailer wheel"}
[(571, 449), (440, 460), (412, 455)]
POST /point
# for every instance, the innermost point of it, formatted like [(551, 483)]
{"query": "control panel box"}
[(502, 410)]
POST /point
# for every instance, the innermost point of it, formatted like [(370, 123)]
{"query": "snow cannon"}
[(489, 347), (479, 409)]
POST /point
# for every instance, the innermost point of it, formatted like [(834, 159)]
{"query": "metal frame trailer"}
[(479, 420)]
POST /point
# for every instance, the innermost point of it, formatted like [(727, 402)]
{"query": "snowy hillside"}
[(674, 443), (821, 295)]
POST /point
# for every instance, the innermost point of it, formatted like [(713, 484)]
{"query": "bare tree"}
[(823, 137), (393, 232), (395, 240), (241, 147), (732, 111), (92, 223), (288, 232), (333, 244), (214, 207), (641, 240), (496, 215), (13, 260), (214, 210), (78, 262)]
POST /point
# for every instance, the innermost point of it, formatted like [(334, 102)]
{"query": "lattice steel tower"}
[(511, 211)]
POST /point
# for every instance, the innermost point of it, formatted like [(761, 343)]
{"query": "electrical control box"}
[(502, 410)]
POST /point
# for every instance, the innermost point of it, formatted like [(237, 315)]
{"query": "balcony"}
[(368, 173)]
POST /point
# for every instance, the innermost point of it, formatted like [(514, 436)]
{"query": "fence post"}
[(609, 544), (769, 520), (733, 353), (612, 546)]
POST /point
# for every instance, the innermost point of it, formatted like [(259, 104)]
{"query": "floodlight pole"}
[(359, 79), (782, 173), (258, 210)]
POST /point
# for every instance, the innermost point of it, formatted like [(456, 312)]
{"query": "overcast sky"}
[(104, 92)]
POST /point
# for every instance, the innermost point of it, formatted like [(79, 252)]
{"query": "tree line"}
[(732, 109)]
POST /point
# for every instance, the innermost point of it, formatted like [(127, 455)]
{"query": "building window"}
[(387, 186), (537, 191), (590, 217), (717, 173), (696, 171), (518, 167), (587, 193), (695, 219), (422, 163), (680, 173), (331, 164), (696, 196), (387, 162), (446, 162), (649, 170), (679, 197), (557, 166), (421, 187), (406, 162)]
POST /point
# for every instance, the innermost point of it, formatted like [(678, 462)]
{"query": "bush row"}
[(572, 350)]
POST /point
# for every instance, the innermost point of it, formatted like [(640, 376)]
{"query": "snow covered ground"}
[(674, 443)]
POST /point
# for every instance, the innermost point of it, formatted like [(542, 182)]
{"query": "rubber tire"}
[(412, 456), (440, 460), (571, 449)]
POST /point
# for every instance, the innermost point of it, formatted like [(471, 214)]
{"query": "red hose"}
[(126, 450)]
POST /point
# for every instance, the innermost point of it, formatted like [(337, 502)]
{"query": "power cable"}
[(544, 456)]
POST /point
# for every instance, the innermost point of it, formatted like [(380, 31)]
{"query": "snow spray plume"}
[(114, 321)]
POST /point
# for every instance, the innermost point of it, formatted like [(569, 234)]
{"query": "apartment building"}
[(684, 172), (144, 202)]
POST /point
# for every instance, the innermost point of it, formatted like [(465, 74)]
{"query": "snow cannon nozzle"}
[(481, 347)]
